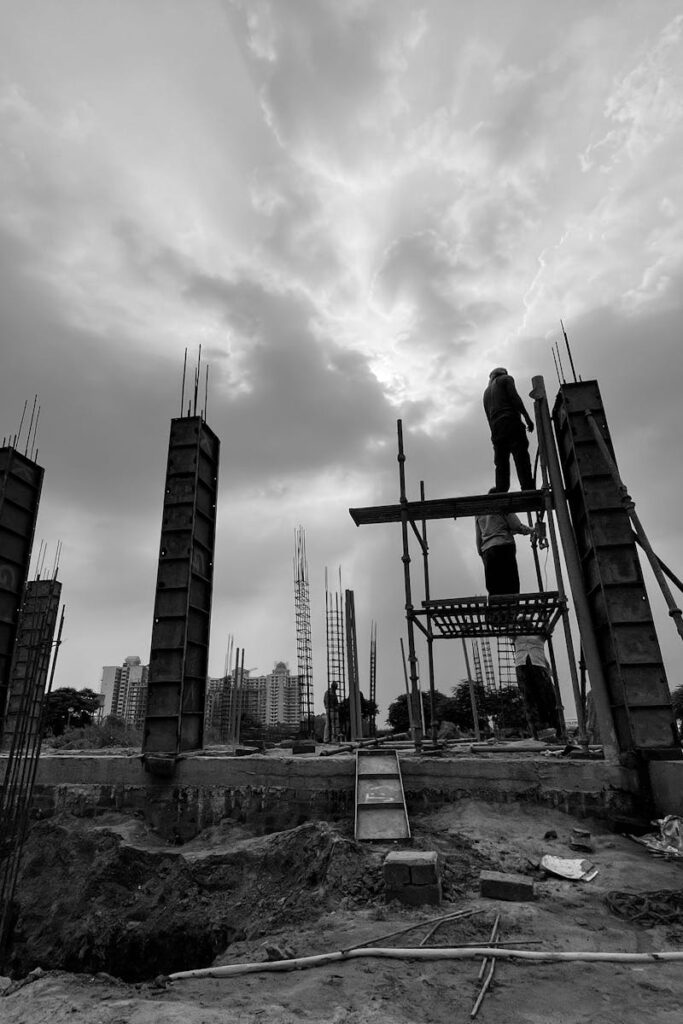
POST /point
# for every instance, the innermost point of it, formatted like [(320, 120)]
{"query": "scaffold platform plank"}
[(451, 508), (502, 615)]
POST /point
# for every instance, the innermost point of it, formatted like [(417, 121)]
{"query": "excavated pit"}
[(137, 876), (101, 895)]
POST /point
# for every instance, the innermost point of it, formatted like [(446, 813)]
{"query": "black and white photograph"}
[(341, 574)]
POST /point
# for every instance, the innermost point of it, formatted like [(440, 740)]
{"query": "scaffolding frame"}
[(473, 617)]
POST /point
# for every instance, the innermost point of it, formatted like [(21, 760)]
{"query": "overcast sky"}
[(358, 208)]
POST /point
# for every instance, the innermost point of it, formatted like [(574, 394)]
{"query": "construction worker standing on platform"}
[(506, 415), (496, 547)]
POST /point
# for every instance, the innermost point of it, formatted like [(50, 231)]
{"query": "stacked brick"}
[(413, 877)]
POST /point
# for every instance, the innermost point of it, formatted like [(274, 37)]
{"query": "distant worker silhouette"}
[(505, 412), (331, 702)]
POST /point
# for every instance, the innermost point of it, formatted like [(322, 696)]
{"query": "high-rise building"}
[(282, 697), (213, 702), (271, 699), (124, 688)]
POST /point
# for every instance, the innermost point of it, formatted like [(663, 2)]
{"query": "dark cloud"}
[(308, 404), (358, 209)]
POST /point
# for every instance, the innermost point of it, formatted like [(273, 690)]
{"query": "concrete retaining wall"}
[(274, 793)]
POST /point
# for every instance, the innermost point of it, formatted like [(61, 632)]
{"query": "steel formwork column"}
[(31, 662), (179, 655), (555, 501), (21, 481), (634, 678)]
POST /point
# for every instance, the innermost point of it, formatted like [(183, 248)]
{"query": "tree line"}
[(70, 708)]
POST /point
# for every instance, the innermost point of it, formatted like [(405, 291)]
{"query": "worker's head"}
[(499, 371), (333, 686)]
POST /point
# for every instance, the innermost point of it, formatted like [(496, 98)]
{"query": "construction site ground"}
[(107, 912)]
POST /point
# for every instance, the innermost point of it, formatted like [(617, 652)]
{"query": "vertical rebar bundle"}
[(226, 694), (302, 606), (373, 677), (31, 680), (336, 645)]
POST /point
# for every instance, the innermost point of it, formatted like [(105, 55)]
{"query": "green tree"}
[(460, 706), (368, 710), (398, 717), (68, 707), (505, 707), (507, 710)]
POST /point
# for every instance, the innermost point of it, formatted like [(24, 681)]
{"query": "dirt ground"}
[(101, 898)]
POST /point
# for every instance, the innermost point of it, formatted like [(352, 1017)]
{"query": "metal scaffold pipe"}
[(415, 697)]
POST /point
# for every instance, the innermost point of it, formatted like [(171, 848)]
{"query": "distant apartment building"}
[(271, 699), (124, 688), (281, 697), (213, 701)]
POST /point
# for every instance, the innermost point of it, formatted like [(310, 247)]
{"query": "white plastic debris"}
[(569, 867), (669, 842)]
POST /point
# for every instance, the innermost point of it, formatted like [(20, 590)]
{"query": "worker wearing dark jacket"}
[(505, 412)]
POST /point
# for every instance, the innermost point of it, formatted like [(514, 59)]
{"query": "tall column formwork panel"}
[(620, 610), (179, 657), (31, 664), (21, 481)]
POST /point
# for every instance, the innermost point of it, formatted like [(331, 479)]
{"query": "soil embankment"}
[(105, 906)]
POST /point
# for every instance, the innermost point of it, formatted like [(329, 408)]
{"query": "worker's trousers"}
[(509, 439)]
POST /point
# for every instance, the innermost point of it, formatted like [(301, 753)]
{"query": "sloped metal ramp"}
[(380, 802)]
